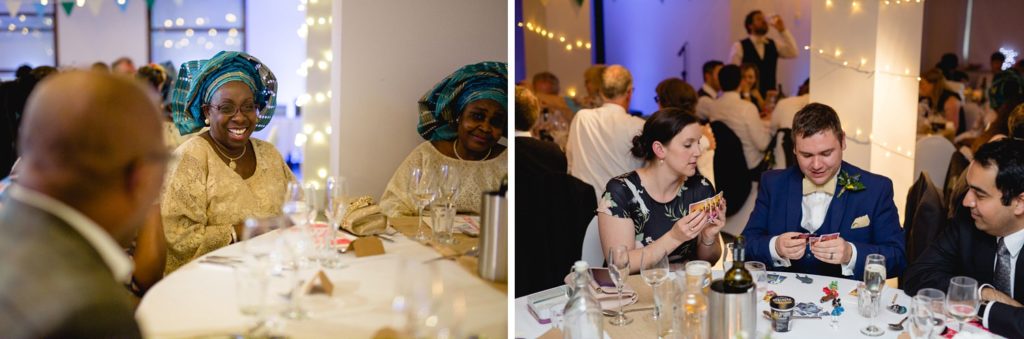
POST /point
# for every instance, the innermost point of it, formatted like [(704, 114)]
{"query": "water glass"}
[(702, 266), (874, 283), (759, 272), (920, 317), (937, 302), (251, 281), (443, 222), (423, 189)]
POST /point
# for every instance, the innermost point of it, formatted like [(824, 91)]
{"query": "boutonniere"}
[(849, 183)]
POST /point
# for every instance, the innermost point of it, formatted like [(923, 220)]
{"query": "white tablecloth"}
[(849, 324), (200, 299)]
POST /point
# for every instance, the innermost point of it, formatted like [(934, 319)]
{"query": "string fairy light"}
[(568, 43)]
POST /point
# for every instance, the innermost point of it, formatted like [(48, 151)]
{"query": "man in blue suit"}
[(824, 195)]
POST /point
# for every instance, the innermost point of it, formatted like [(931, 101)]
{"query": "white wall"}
[(84, 38), (277, 44), (390, 53), (563, 18)]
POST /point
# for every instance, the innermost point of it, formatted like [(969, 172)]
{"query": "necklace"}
[(231, 161), (456, 151)]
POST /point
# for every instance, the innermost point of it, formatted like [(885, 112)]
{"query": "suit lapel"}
[(985, 257), (836, 209), (794, 199)]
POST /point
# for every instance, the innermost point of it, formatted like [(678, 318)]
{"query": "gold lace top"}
[(203, 198), (477, 176)]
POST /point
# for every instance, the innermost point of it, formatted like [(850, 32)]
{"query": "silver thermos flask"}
[(493, 264)]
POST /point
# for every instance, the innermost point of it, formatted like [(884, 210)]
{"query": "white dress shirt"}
[(814, 207), (703, 108), (1013, 243), (111, 253), (523, 134), (786, 47), (785, 110), (742, 118), (599, 145)]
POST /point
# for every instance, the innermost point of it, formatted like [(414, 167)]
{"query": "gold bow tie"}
[(828, 188)]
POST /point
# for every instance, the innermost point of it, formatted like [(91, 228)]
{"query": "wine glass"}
[(449, 182), (423, 190), (654, 271), (962, 300), (337, 200), (921, 316), (618, 267), (874, 283), (295, 206), (937, 304)]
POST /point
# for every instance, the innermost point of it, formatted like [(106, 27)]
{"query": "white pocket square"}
[(860, 222)]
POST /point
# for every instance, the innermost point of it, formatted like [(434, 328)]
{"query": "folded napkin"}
[(608, 297)]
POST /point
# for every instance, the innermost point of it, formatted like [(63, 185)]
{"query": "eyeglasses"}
[(230, 109), (656, 100)]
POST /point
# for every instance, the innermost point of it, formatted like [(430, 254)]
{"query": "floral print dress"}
[(625, 197)]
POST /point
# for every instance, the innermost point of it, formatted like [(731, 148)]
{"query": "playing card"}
[(830, 236), (813, 240), (802, 236)]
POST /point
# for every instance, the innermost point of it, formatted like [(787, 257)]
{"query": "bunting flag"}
[(13, 6), (149, 4), (68, 6), (122, 4), (95, 6)]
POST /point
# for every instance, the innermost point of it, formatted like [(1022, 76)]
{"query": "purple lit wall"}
[(646, 35)]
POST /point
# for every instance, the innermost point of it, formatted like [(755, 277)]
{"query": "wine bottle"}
[(738, 279)]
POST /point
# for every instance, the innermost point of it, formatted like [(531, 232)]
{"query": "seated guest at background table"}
[(748, 86), (534, 156), (81, 195), (123, 65), (222, 176), (649, 207), (741, 116), (986, 247), (599, 139), (592, 81), (462, 118), (824, 195)]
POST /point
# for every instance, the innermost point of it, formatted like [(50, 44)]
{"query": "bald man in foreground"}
[(92, 164)]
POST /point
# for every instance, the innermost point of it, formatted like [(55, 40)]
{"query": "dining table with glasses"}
[(433, 285), (809, 289)]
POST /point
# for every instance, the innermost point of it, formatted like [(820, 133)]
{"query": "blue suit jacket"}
[(778, 210)]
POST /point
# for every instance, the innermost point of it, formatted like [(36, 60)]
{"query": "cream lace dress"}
[(477, 177), (203, 198)]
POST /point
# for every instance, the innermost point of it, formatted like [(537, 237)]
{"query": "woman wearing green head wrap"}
[(462, 118), (222, 176)]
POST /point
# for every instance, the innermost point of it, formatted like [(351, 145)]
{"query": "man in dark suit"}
[(824, 195), (534, 156), (987, 247), (92, 164)]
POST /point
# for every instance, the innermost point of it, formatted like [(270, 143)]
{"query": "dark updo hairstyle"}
[(662, 126)]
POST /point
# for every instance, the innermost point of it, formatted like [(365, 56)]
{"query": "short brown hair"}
[(816, 118), (527, 109)]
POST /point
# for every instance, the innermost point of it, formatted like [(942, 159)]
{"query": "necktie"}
[(1002, 273)]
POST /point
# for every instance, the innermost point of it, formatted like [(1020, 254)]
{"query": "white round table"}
[(848, 325), (199, 299)]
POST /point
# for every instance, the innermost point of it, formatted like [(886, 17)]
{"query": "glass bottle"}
[(737, 279), (583, 317)]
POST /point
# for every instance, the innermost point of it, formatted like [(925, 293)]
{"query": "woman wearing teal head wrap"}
[(462, 118), (223, 176)]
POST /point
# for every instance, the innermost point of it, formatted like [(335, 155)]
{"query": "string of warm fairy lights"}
[(580, 44), (838, 57)]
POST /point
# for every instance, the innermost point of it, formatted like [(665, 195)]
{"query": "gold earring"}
[(207, 121)]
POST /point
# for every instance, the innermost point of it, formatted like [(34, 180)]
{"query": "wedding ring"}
[(830, 254)]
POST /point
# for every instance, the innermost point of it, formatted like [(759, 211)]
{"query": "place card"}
[(320, 284), (367, 246)]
